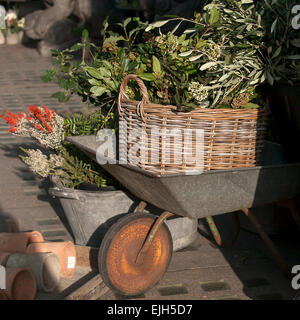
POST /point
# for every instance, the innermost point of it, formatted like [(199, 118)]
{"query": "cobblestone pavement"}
[(200, 271)]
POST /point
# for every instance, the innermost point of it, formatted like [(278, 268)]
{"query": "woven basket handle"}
[(123, 95)]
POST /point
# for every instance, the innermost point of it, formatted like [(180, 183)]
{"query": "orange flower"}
[(39, 127)]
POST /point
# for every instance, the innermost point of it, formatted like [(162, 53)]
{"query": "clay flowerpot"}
[(44, 266), (12, 38), (18, 242), (20, 284), (64, 250)]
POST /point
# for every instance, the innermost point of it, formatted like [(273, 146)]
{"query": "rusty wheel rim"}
[(123, 274)]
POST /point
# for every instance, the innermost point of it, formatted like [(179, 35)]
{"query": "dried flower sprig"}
[(45, 125), (40, 163)]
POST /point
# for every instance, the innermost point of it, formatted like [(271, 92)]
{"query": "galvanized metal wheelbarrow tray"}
[(212, 192)]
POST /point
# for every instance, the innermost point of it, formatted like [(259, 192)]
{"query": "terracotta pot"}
[(64, 250), (44, 266), (20, 284), (3, 258), (18, 242), (12, 38)]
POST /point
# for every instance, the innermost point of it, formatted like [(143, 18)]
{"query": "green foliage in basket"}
[(282, 39), (215, 63)]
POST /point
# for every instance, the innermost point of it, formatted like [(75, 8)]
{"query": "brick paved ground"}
[(201, 271)]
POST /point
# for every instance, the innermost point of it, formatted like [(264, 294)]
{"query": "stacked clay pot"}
[(20, 285), (64, 250), (32, 264), (20, 282), (44, 266), (19, 241)]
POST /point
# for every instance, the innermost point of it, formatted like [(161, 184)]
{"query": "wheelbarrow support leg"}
[(216, 234), (141, 207), (148, 241), (276, 255)]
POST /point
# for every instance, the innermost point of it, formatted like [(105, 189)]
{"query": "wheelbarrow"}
[(136, 251)]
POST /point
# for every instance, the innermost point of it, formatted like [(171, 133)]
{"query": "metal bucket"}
[(91, 213)]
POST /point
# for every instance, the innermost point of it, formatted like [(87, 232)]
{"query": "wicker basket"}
[(230, 138)]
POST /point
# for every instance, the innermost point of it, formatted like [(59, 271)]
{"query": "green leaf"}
[(62, 83), (270, 78), (127, 21), (159, 94), (125, 64), (176, 27), (105, 72), (250, 105), (157, 24), (94, 82), (194, 58), (214, 16), (294, 57), (186, 54), (276, 53), (76, 47), (85, 34), (189, 31), (94, 73), (224, 77), (207, 65), (59, 95), (147, 76), (49, 75), (107, 64), (274, 25), (98, 91), (295, 43), (156, 65)]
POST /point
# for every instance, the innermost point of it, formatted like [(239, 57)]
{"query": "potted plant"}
[(92, 200), (13, 32), (282, 59)]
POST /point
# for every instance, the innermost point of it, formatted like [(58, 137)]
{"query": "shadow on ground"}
[(251, 260)]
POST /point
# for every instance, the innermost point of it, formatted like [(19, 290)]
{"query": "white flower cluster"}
[(21, 22), (51, 140), (213, 50), (11, 15), (199, 92), (168, 42), (40, 163)]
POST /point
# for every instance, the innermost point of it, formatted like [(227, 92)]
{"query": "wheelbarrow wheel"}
[(117, 258)]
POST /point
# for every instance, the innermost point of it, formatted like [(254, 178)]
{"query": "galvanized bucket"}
[(91, 213)]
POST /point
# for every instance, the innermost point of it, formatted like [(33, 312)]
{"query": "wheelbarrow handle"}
[(56, 192)]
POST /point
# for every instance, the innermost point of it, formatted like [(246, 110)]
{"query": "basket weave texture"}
[(158, 139)]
